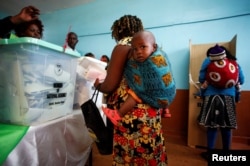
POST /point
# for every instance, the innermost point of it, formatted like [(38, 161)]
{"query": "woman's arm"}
[(26, 14), (241, 76), (115, 69), (203, 70), (5, 27)]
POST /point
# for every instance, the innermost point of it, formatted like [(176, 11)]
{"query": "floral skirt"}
[(138, 138), (218, 111)]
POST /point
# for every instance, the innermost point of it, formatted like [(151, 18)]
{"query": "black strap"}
[(96, 92)]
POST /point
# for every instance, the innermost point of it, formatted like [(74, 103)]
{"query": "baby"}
[(148, 73)]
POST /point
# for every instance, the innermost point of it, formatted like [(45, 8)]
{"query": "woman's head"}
[(126, 26), (216, 53), (219, 52), (104, 58), (90, 54), (32, 28)]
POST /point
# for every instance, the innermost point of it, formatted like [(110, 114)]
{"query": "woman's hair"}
[(126, 26), (89, 54), (228, 54), (71, 33), (21, 28), (105, 56)]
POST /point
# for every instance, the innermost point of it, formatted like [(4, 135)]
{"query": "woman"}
[(138, 137), (219, 109), (104, 58), (27, 14), (32, 28)]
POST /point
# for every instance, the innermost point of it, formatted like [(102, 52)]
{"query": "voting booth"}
[(196, 133), (37, 81)]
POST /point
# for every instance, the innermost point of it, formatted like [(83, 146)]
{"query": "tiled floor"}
[(178, 154)]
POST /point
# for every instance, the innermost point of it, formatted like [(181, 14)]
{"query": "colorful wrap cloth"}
[(152, 80)]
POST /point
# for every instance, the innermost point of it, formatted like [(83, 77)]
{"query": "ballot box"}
[(37, 81)]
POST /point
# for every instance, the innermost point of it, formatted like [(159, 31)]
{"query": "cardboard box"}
[(196, 133), (37, 81)]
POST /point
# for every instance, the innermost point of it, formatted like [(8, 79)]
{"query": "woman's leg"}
[(226, 134), (211, 137)]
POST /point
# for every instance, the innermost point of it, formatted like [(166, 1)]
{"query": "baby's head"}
[(143, 45), (216, 53)]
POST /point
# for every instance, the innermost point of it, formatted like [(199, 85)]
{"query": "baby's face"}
[(142, 48)]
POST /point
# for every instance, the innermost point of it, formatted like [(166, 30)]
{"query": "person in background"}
[(155, 86), (72, 40), (218, 111), (9, 23), (32, 28), (104, 58), (90, 54), (138, 137)]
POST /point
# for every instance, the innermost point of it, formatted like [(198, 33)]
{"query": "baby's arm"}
[(134, 96)]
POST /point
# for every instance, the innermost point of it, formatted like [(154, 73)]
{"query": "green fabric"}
[(10, 136), (13, 36)]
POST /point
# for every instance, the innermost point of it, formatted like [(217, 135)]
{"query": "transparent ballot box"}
[(37, 81)]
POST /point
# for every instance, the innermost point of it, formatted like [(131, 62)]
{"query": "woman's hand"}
[(96, 83), (28, 13)]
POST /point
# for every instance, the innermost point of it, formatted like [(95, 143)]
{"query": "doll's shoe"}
[(113, 115), (166, 113)]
